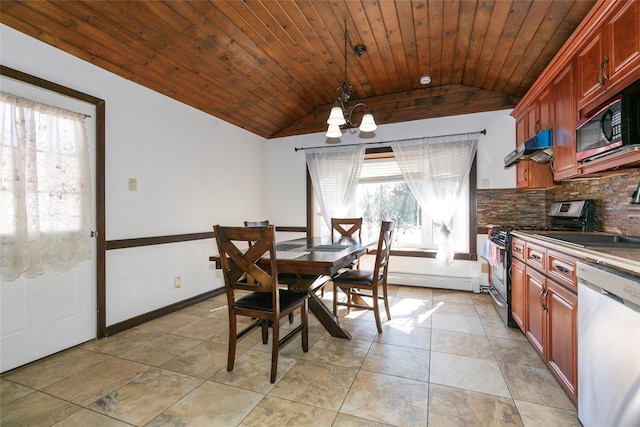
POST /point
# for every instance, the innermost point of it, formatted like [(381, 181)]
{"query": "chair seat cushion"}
[(359, 277), (261, 301)]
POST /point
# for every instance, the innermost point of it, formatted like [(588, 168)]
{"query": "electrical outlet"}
[(484, 267), (177, 282), (133, 184)]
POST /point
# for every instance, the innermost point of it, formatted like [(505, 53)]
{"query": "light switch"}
[(133, 184)]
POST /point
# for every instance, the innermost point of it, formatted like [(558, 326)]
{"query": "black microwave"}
[(612, 127)]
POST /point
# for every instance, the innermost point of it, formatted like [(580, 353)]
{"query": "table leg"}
[(326, 317), (323, 313)]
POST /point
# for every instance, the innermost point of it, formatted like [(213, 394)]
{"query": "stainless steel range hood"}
[(539, 149)]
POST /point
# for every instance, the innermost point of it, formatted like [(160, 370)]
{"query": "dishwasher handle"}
[(612, 296), (621, 286)]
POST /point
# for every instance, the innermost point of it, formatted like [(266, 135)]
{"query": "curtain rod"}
[(483, 131)]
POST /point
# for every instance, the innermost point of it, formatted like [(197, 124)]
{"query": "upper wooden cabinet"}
[(531, 174), (537, 117), (564, 140), (607, 59), (600, 59)]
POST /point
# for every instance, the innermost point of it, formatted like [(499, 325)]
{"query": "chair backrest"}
[(346, 227), (239, 264), (256, 223), (384, 246)]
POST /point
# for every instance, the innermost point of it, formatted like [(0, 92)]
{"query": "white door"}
[(54, 311)]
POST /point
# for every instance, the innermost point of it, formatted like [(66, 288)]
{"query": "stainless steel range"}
[(576, 215)]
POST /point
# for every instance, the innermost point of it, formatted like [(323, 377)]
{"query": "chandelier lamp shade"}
[(347, 103)]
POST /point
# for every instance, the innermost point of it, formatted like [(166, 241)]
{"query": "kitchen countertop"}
[(624, 258)]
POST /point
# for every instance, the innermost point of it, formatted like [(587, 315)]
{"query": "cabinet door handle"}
[(542, 297), (604, 73), (598, 76)]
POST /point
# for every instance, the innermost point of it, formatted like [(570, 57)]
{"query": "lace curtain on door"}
[(436, 169), (335, 173), (45, 188)]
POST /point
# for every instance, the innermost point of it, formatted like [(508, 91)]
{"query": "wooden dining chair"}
[(342, 228), (256, 224), (346, 230), (266, 302), (365, 283)]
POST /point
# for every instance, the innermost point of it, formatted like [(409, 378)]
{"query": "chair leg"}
[(265, 331), (386, 301), (335, 299), (275, 349), (376, 311), (231, 354), (305, 327)]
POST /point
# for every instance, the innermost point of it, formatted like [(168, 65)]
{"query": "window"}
[(45, 192), (383, 194)]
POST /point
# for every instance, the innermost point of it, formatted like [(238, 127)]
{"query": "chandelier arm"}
[(352, 110)]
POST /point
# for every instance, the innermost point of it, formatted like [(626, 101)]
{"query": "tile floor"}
[(445, 359)]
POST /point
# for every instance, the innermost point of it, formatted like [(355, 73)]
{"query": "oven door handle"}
[(498, 303)]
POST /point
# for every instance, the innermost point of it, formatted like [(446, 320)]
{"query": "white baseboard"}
[(470, 284)]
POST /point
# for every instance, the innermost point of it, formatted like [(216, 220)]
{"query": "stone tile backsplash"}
[(614, 212)]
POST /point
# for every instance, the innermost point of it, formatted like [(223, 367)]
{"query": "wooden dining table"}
[(306, 264)]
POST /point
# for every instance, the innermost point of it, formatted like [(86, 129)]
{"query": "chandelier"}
[(347, 103)]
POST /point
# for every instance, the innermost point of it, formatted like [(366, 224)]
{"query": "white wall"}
[(192, 171), (287, 204)]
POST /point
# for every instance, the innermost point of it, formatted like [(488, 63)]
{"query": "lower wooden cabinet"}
[(536, 317), (518, 296), (562, 324), (544, 304)]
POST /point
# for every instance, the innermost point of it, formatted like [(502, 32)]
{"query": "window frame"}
[(472, 255)]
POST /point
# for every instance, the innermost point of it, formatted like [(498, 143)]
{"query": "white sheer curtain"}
[(335, 173), (436, 169), (45, 188)]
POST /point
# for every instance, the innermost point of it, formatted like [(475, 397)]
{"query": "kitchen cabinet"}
[(535, 318), (561, 332), (518, 297), (600, 59), (544, 305), (531, 174), (606, 61), (564, 137)]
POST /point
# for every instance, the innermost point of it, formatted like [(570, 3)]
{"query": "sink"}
[(609, 240)]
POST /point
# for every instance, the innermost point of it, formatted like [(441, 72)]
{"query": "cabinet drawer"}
[(517, 248), (536, 256), (562, 268)]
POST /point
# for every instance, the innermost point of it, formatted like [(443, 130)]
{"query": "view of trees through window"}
[(392, 201), (382, 194)]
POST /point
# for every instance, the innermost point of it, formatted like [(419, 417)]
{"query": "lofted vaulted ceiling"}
[(271, 67)]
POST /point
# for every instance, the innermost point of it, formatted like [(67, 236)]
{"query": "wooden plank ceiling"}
[(271, 67)]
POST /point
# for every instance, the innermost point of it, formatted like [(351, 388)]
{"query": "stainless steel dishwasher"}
[(608, 346)]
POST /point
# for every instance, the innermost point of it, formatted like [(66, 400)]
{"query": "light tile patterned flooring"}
[(445, 359)]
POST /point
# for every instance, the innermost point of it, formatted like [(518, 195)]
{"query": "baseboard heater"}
[(471, 284)]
